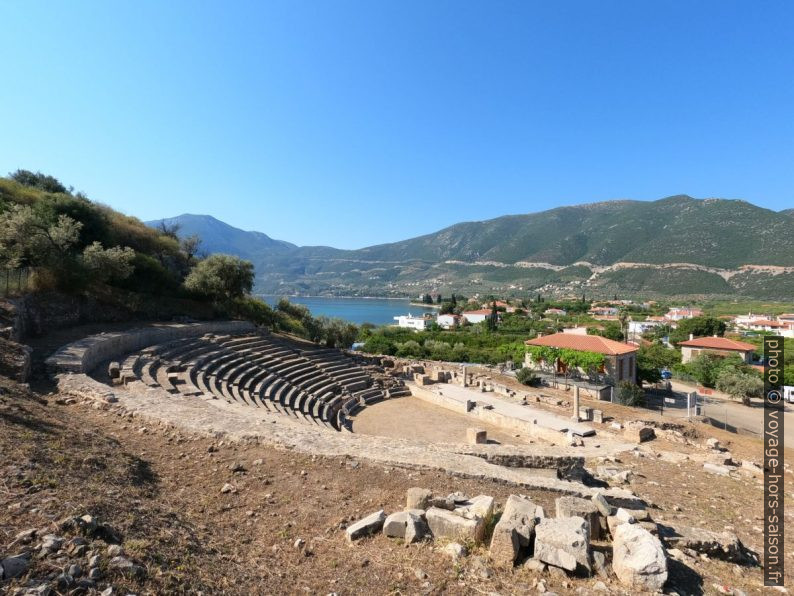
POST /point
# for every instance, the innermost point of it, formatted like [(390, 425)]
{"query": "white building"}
[(640, 327), (477, 316), (575, 330), (411, 322), (678, 314), (448, 321)]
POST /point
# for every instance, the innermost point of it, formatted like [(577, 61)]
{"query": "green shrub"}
[(526, 376), (629, 394)]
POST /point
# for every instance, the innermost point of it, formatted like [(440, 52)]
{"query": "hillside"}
[(684, 247), (217, 236)]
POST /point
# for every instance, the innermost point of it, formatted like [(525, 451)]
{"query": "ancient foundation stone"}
[(450, 526), (371, 524), (576, 507), (638, 558), (476, 436), (417, 498), (513, 534), (564, 543)]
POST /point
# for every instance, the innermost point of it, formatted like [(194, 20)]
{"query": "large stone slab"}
[(638, 558), (577, 507), (371, 524), (451, 526), (480, 506), (717, 545), (512, 535), (565, 543)]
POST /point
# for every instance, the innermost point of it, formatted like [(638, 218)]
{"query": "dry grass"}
[(161, 490)]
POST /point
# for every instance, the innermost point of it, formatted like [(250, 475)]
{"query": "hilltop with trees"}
[(72, 246)]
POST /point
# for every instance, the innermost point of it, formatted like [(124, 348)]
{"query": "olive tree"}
[(222, 278), (108, 263), (740, 385)]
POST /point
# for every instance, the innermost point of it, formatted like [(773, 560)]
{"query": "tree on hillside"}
[(494, 318), (740, 385), (170, 229), (704, 326), (29, 238), (108, 263), (190, 246), (338, 333), (38, 180), (222, 278)]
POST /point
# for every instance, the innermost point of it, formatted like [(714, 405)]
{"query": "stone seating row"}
[(260, 371)]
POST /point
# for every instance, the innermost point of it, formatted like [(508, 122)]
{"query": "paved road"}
[(725, 412)]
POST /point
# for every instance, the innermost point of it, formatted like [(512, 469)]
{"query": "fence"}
[(15, 281), (728, 415)]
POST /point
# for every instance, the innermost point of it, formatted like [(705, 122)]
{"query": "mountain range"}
[(676, 246)]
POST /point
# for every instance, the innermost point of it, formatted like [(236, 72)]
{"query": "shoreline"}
[(336, 297)]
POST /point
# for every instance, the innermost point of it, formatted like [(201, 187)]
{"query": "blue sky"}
[(354, 123)]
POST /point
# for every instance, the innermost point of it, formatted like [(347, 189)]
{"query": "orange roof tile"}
[(584, 343), (718, 343)]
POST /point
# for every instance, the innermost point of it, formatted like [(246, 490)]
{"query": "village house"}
[(719, 346), (620, 360), (477, 316), (678, 314), (555, 312), (411, 322), (448, 321), (640, 327), (500, 304), (603, 311)]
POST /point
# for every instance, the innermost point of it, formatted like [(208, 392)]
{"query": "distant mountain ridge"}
[(218, 236), (673, 246)]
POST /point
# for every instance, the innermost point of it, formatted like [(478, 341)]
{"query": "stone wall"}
[(84, 355), (526, 427), (41, 312)]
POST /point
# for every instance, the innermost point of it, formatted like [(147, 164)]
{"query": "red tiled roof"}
[(766, 323), (718, 343), (482, 311), (584, 343)]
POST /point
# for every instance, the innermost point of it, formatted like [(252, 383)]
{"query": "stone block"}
[(479, 506), (417, 498), (476, 436), (716, 469), (371, 524), (639, 434), (584, 508), (601, 504), (513, 533), (564, 543), (638, 559), (450, 526), (405, 525)]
